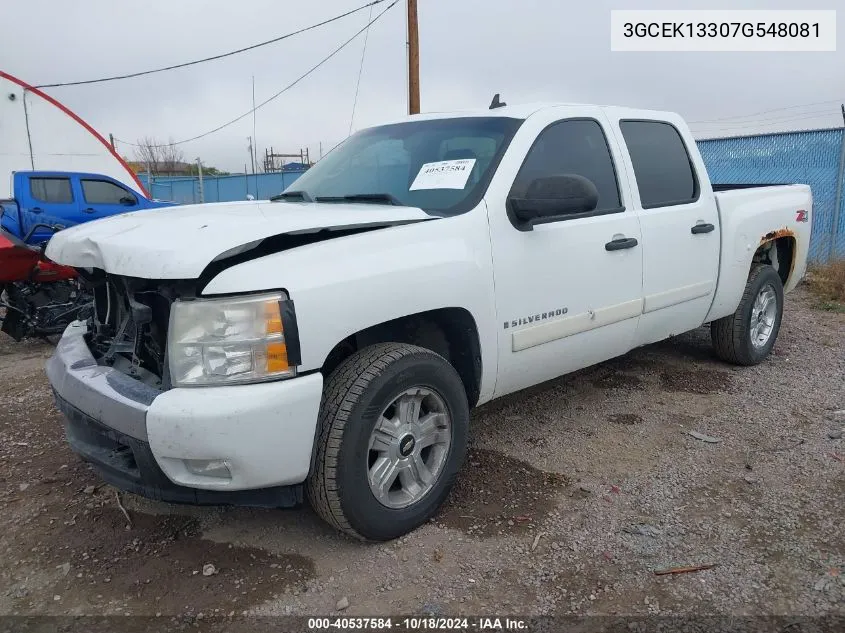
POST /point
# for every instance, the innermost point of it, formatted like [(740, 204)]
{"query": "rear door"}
[(679, 221), (102, 197), (47, 199)]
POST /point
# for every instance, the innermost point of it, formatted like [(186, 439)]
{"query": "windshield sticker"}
[(444, 174)]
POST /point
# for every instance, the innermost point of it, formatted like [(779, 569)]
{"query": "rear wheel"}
[(392, 436), (747, 336)]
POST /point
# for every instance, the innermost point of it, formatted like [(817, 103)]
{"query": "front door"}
[(568, 292), (102, 198)]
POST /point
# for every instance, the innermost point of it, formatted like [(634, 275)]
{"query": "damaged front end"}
[(128, 326)]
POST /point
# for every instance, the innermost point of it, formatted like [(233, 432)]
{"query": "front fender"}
[(348, 284)]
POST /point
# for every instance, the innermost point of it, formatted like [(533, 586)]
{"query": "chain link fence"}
[(815, 158)]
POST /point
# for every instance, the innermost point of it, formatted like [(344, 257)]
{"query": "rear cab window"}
[(51, 190), (105, 192), (662, 164)]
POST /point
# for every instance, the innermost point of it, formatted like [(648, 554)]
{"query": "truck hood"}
[(179, 242)]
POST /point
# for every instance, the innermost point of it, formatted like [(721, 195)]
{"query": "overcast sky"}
[(528, 50)]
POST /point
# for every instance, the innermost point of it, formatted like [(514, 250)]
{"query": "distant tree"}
[(158, 157), (213, 171)]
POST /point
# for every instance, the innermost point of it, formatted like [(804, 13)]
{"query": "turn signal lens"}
[(277, 357), (273, 318)]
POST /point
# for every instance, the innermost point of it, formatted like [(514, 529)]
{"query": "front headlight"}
[(227, 341)]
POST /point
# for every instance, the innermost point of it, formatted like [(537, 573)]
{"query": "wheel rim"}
[(408, 447), (763, 315)]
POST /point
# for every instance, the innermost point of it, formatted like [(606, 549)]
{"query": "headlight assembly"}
[(227, 341)]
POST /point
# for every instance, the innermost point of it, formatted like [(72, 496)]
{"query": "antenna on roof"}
[(496, 103)]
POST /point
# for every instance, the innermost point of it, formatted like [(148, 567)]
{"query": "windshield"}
[(439, 165)]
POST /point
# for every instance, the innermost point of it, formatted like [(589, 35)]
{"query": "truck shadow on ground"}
[(682, 364), (497, 495)]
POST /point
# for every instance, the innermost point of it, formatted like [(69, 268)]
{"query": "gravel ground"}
[(573, 494)]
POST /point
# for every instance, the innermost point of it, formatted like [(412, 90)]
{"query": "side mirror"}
[(128, 201), (552, 198)]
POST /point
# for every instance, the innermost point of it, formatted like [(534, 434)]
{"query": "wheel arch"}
[(778, 250), (451, 332)]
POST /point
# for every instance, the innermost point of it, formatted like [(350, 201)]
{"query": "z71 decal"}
[(536, 318), (802, 216)]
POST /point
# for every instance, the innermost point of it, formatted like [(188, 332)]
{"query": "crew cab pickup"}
[(330, 343), (44, 199)]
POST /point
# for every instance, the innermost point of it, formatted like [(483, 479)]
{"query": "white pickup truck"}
[(330, 343)]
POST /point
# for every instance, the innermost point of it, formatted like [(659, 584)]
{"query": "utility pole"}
[(111, 140), (199, 172), (413, 59), (251, 154), (255, 138)]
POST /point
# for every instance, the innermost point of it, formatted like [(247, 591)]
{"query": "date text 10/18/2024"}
[(419, 624)]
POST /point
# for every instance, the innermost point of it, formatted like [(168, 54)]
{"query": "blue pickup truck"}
[(59, 198)]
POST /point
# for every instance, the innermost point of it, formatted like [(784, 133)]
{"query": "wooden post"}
[(413, 59)]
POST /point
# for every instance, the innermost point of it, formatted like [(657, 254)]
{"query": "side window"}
[(662, 164), (55, 190), (579, 147), (105, 192)]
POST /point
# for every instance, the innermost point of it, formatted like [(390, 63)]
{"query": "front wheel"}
[(392, 436), (747, 336)]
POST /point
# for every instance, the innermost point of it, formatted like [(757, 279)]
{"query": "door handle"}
[(702, 228), (36, 209), (90, 210), (621, 243)]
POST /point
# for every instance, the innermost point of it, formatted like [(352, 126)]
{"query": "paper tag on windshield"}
[(444, 174)]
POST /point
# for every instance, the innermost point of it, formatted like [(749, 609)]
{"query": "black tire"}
[(731, 335), (354, 396)]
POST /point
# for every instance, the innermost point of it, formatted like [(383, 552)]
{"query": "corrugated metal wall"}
[(219, 188)]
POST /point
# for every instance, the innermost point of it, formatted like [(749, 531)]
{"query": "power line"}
[(752, 124), (214, 57), (796, 117), (278, 94), (360, 71), (745, 116), (791, 117)]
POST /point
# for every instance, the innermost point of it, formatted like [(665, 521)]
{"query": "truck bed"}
[(749, 216)]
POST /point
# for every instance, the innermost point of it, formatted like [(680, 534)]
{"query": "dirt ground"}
[(573, 494)]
